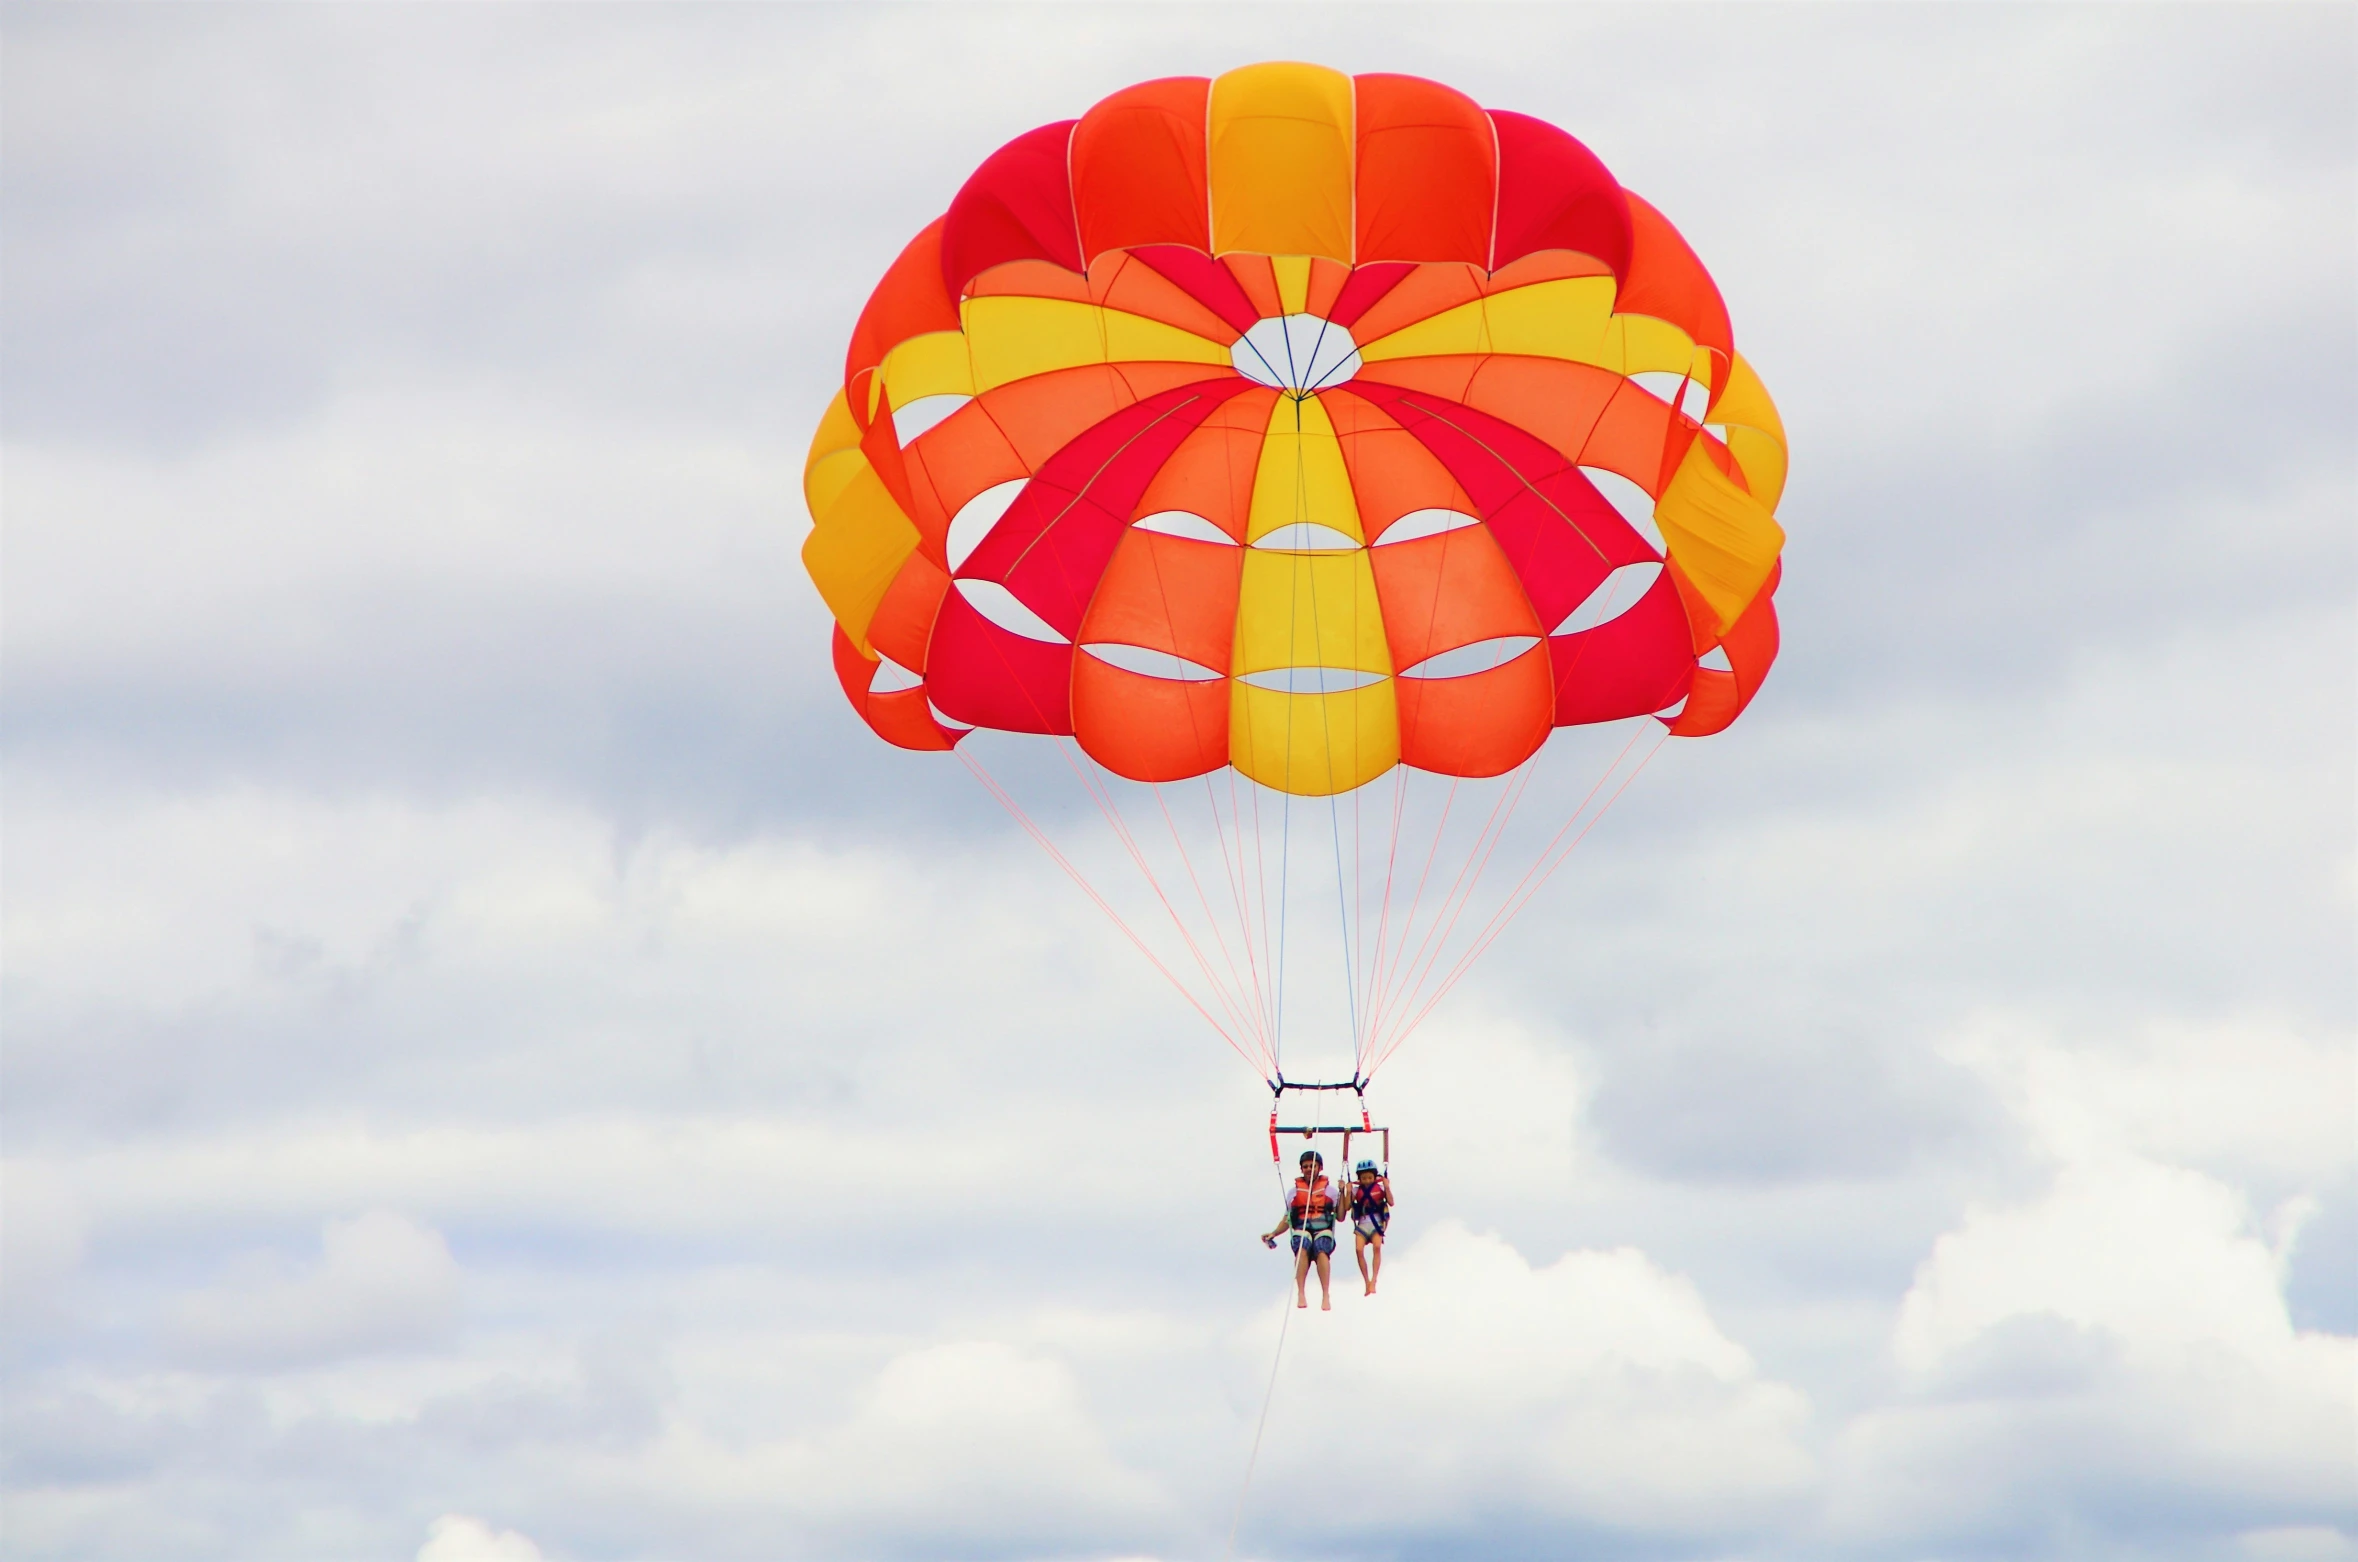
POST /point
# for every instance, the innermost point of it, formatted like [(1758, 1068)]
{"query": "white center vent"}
[(1300, 353)]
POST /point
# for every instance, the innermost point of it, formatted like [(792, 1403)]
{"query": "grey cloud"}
[(414, 709), (2321, 1283), (1817, 1101), (381, 1283)]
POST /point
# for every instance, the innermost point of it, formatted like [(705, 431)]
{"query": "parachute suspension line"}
[(1111, 812), (1468, 878), (1334, 814), (1387, 975), (1391, 992), (1285, 849), (1241, 889), (1405, 994), (1211, 918), (1359, 909), (1385, 997), (1326, 718), (1315, 345), (1540, 872), (1015, 810), (1268, 954), (1252, 988), (1384, 917), (1376, 994), (1293, 642), (1100, 795), (1234, 869), (1443, 930), (1428, 950), (1534, 878), (1285, 1318)]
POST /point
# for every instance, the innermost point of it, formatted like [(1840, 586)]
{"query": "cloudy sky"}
[(500, 1064)]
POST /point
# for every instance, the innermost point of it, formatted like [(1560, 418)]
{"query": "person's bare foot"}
[(1301, 1301), (1371, 1288), (1326, 1304)]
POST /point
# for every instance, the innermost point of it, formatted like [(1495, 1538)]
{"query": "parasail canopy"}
[(1301, 423)]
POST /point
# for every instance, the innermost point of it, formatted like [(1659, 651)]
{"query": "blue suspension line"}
[(1285, 837), (1334, 815)]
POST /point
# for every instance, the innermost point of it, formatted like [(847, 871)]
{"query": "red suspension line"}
[(990, 784), (1211, 920), (1536, 878), (1111, 811), (1467, 878), (1233, 868), (1385, 975), (1409, 995), (1383, 922)]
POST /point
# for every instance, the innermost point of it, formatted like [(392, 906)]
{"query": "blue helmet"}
[(1367, 1166)]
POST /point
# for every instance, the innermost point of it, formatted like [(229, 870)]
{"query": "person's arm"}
[(1284, 1220)]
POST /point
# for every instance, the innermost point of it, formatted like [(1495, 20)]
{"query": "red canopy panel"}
[(1052, 545), (1172, 594), (1665, 280), (1138, 168), (1427, 172), (1556, 530), (1631, 665), (1018, 206), (909, 301), (1149, 729), (900, 718), (1720, 697), (1554, 194), (904, 619), (1205, 280), (1483, 724), (1365, 287), (985, 676), (1446, 591)]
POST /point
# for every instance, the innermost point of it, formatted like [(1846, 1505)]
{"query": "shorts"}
[(1323, 1243), (1371, 1226)]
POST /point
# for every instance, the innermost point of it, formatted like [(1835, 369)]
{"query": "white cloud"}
[(427, 793), (1596, 1388), (2155, 1255), (381, 1282), (2121, 1336), (2251, 1098), (455, 1537), (953, 1447), (2296, 1543), (42, 1239)]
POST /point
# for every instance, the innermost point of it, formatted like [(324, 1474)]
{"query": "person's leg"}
[(1302, 1278), (1326, 1299), (1376, 1272), (1359, 1254)]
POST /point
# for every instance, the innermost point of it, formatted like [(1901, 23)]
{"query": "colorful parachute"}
[(1261, 422)]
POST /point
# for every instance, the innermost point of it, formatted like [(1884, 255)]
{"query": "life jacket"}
[(1312, 1206), (1373, 1199)]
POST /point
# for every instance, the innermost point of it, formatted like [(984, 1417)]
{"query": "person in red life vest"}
[(1310, 1216), (1370, 1198)]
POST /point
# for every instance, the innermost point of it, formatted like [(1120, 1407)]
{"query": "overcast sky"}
[(500, 1063)]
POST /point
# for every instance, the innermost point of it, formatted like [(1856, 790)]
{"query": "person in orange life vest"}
[(1370, 1206), (1310, 1216)]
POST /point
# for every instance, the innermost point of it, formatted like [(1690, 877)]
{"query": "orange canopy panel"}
[(1251, 421)]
